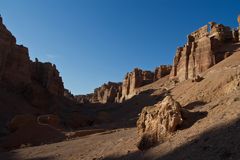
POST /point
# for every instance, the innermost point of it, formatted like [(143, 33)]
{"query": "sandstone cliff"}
[(133, 80), (28, 87), (119, 92), (162, 71), (18, 71), (107, 93), (205, 48), (48, 77)]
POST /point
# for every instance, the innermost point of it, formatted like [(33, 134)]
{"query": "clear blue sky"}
[(95, 41)]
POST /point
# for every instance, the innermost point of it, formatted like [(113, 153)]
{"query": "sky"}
[(96, 41)]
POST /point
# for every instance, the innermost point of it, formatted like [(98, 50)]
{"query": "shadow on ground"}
[(125, 115), (190, 118), (194, 105), (221, 143)]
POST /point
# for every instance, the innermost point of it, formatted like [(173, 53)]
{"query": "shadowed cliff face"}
[(31, 88), (17, 70)]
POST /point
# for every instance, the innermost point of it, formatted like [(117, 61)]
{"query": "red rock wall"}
[(17, 70), (203, 50)]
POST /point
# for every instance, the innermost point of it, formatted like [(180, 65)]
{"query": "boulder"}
[(157, 122), (198, 78)]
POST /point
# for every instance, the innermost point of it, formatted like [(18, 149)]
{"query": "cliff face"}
[(32, 88), (14, 60), (18, 71), (162, 71), (133, 80), (107, 93), (119, 92), (205, 48), (48, 77)]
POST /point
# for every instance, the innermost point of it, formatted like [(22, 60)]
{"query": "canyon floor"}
[(210, 128)]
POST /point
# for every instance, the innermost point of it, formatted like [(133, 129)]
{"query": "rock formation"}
[(14, 60), (202, 51), (68, 94), (107, 93), (88, 98), (239, 27), (17, 70), (119, 92), (156, 122), (48, 76), (162, 71), (29, 89), (133, 80)]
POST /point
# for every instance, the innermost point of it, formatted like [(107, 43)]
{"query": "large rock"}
[(203, 50), (157, 122)]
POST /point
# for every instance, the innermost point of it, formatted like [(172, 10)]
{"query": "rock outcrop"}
[(119, 92), (133, 80), (14, 60), (88, 98), (162, 71), (107, 93), (239, 27), (69, 95), (48, 77), (203, 50), (157, 122), (18, 71)]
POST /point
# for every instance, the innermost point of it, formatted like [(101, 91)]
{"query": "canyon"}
[(187, 110)]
